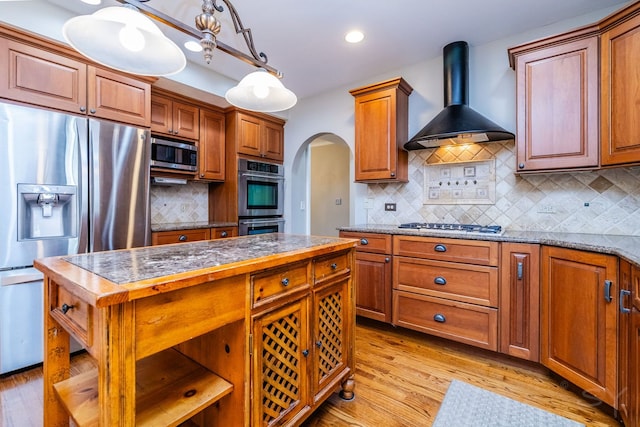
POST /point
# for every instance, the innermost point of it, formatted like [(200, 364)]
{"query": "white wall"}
[(491, 92)]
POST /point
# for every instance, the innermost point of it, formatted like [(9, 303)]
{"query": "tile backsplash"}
[(177, 204), (605, 201)]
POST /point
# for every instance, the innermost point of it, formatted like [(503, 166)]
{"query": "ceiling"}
[(305, 39)]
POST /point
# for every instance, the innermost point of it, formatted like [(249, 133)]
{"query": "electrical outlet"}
[(546, 209), (389, 206), (338, 201)]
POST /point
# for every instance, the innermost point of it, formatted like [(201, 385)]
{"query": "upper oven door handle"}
[(257, 175)]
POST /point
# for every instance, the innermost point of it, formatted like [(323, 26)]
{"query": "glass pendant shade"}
[(124, 39), (261, 91)]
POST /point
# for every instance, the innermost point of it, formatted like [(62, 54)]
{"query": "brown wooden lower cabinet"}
[(180, 236), (629, 345), (520, 300), (579, 307)]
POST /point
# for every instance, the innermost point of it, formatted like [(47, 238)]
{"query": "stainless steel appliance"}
[(260, 189), (462, 228), (248, 226), (69, 185), (173, 155)]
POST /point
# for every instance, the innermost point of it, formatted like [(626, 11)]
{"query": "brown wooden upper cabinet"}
[(211, 146), (381, 126), (257, 135), (173, 117), (620, 93), (577, 95), (49, 79)]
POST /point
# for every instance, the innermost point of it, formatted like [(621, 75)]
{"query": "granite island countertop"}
[(627, 247), (110, 277)]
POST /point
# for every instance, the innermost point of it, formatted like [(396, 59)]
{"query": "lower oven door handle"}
[(261, 221), (257, 175)]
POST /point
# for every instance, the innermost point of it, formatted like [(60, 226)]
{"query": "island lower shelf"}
[(170, 388)]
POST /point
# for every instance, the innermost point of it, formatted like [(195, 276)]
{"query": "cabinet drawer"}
[(467, 323), (370, 242), (474, 284), (180, 236), (270, 284), (468, 251), (222, 232), (71, 312), (327, 267)]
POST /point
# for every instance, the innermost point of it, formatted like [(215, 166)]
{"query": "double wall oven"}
[(260, 197)]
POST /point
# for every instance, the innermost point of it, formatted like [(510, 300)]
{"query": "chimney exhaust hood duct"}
[(457, 123)]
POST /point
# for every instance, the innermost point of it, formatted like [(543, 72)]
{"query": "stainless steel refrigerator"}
[(68, 185)]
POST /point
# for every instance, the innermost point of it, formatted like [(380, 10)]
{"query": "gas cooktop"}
[(469, 228)]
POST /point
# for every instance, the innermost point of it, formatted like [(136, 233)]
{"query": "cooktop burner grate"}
[(472, 228)]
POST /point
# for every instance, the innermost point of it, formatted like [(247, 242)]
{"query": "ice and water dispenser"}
[(47, 211)]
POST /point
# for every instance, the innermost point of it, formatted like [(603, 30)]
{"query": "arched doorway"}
[(321, 186)]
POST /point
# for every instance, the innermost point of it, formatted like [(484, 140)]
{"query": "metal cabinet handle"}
[(521, 165), (223, 234), (83, 109), (393, 174), (387, 259), (334, 266), (440, 280), (305, 352), (65, 308), (439, 318), (92, 111), (285, 282), (623, 309), (607, 290), (364, 241), (519, 270), (318, 343), (182, 238), (440, 248)]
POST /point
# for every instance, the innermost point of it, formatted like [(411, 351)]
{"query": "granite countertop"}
[(139, 264), (190, 225), (627, 247)]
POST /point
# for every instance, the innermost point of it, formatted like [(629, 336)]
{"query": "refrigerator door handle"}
[(16, 279)]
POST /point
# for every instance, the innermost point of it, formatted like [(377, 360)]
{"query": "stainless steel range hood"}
[(457, 123)]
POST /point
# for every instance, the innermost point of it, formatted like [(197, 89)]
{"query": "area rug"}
[(467, 405)]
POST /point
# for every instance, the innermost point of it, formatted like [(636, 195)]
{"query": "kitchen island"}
[(240, 331)]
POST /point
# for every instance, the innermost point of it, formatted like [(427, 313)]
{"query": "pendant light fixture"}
[(141, 48), (122, 38)]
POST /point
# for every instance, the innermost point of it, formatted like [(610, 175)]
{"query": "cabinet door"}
[(578, 310), (557, 107), (223, 232), (186, 120), (179, 236), (376, 153), (520, 300), (279, 368), (249, 134), (620, 93), (373, 286), (211, 146), (625, 344), (634, 369), (116, 97), (273, 141), (161, 115), (39, 77), (331, 333)]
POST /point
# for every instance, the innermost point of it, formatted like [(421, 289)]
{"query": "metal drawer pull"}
[(285, 282), (305, 353), (607, 290), (520, 269), (624, 293), (440, 280), (439, 318), (364, 241), (223, 234), (182, 238), (440, 248), (334, 266), (318, 343), (65, 308)]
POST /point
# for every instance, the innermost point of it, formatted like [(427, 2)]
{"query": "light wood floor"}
[(401, 379)]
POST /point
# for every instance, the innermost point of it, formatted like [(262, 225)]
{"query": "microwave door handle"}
[(257, 175)]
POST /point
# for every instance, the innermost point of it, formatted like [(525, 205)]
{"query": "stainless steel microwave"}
[(260, 189), (177, 156)]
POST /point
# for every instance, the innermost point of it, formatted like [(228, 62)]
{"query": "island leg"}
[(348, 385)]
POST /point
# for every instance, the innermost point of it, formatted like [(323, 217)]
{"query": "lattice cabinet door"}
[(331, 332), (279, 364)]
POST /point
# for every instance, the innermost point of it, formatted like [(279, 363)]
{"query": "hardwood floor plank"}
[(401, 379)]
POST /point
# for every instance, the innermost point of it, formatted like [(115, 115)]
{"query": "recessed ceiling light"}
[(92, 1), (354, 36), (193, 46)]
